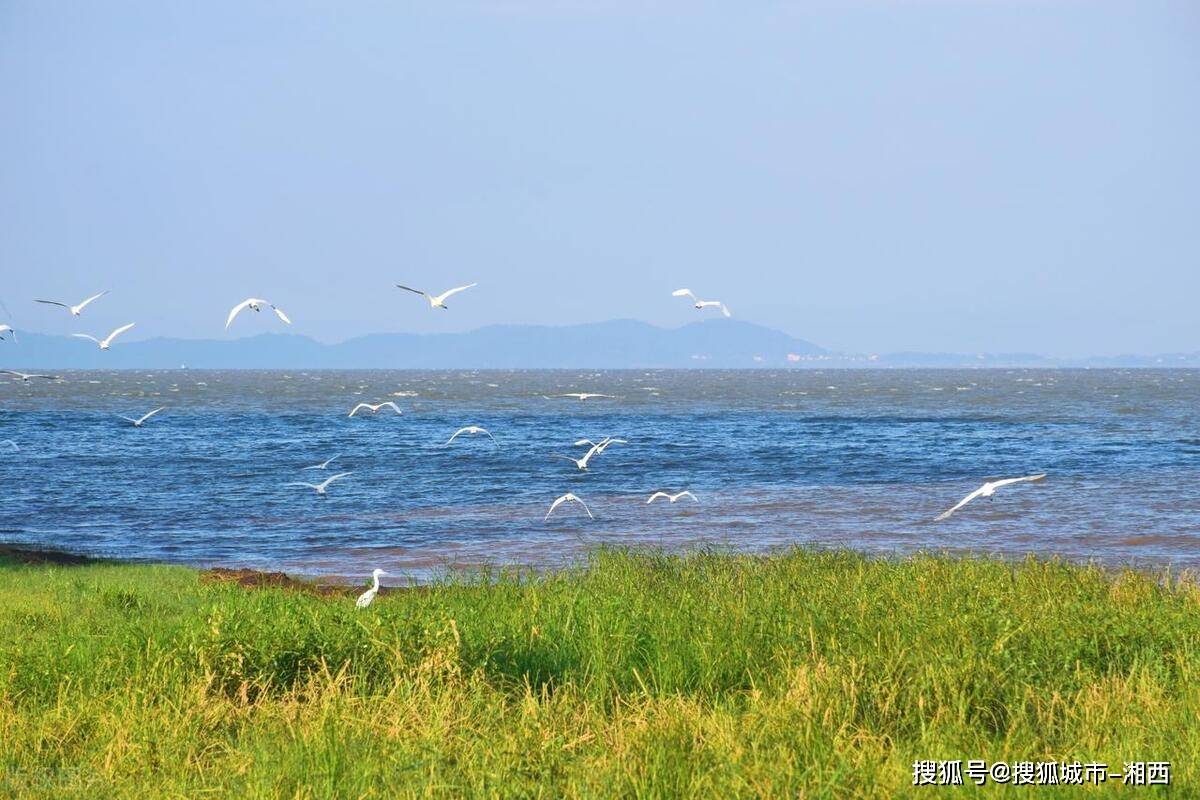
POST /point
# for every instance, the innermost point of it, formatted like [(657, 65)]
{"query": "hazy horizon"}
[(871, 177)]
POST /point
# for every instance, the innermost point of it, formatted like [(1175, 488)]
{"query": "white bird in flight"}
[(255, 304), (73, 309), (7, 329), (567, 498), (137, 423), (580, 395), (366, 597), (987, 490), (12, 443), (701, 303), (602, 444), (25, 376), (106, 341), (323, 465), (374, 409), (323, 485), (471, 430), (582, 463), (671, 497), (437, 301)]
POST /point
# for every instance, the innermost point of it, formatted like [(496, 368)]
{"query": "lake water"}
[(864, 459)]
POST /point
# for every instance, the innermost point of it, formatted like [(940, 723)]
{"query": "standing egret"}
[(368, 596)]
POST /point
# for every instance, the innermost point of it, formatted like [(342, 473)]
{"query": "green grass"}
[(806, 674)]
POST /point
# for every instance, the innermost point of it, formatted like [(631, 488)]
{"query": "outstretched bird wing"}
[(152, 413), (239, 308), (1026, 479), (685, 494), (85, 336), (410, 289), (332, 478), (359, 407), (585, 508), (84, 304), (961, 503), (52, 303), (279, 313), (684, 293), (441, 298), (118, 332), (657, 495), (555, 505)]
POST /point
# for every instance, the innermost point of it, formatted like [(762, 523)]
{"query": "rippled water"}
[(858, 458)]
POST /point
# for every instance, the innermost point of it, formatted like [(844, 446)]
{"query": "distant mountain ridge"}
[(601, 345), (618, 344)]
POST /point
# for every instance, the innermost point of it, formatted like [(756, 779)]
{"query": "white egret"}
[(11, 443), (374, 409), (7, 329), (698, 303), (137, 423), (471, 430), (567, 498), (987, 490), (582, 463), (25, 376), (75, 310), (323, 465), (672, 497), (323, 485), (437, 301), (602, 444), (368, 596), (580, 395), (255, 304), (106, 341)]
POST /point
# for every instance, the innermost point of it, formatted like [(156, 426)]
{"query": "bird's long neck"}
[(375, 586)]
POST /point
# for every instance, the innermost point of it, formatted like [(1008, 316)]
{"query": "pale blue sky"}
[(873, 176)]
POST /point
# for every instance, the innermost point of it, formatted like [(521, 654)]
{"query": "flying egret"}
[(437, 301), (323, 465), (106, 341), (987, 490), (580, 395), (7, 329), (11, 443), (323, 485), (137, 423), (567, 498), (255, 304), (366, 597), (374, 409), (582, 463), (671, 497), (73, 309), (701, 303), (471, 430), (25, 376), (602, 444)]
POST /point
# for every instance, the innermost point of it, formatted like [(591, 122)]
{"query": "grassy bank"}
[(805, 674)]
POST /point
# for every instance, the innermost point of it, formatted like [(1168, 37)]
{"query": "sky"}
[(984, 175)]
